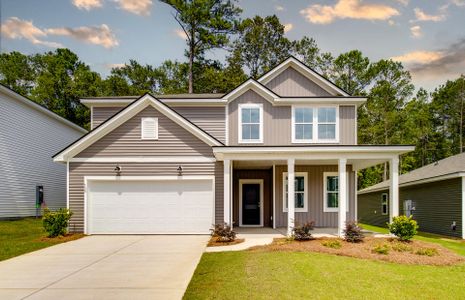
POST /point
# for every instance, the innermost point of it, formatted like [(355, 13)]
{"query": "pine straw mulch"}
[(214, 242), (398, 252), (64, 238)]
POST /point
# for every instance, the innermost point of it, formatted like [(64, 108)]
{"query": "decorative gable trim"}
[(126, 114)]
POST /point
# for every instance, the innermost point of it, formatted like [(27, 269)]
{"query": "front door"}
[(251, 202)]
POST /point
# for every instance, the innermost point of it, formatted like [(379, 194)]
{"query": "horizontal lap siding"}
[(292, 83), (101, 114), (315, 197), (79, 170), (370, 209)]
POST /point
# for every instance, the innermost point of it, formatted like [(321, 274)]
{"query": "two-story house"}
[(179, 163)]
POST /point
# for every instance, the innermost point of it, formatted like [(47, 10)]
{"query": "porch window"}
[(331, 192), (300, 192), (384, 203), (303, 124), (327, 123), (250, 123)]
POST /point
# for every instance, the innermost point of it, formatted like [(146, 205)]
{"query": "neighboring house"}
[(179, 163), (29, 135), (434, 195)]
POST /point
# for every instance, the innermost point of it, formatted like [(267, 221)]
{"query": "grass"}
[(25, 235), (304, 275), (456, 245)]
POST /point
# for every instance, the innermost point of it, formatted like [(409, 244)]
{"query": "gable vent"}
[(149, 128)]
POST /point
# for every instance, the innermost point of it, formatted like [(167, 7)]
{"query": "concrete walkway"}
[(105, 267)]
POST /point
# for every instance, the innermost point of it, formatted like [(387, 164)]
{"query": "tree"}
[(17, 72), (140, 79), (352, 72), (207, 24), (307, 51)]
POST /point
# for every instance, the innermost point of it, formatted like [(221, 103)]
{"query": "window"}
[(149, 128), (250, 123), (300, 192), (384, 204), (331, 192), (315, 124)]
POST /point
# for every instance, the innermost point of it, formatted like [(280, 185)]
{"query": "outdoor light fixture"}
[(118, 170), (179, 169)]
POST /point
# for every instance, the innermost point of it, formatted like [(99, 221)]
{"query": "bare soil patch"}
[(412, 253), (61, 239), (214, 242)]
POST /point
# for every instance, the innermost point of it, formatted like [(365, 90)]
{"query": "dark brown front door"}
[(250, 204)]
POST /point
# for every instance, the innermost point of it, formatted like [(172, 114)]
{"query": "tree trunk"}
[(191, 67)]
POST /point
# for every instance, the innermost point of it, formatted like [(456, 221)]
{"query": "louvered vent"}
[(149, 128)]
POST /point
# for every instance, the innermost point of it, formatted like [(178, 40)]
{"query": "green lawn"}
[(455, 245), (25, 235), (307, 275)]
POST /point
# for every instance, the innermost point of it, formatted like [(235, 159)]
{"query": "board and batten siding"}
[(277, 122), (292, 83), (210, 119), (28, 139), (315, 196), (173, 140), (77, 171)]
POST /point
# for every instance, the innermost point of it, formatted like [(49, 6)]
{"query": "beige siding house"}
[(180, 163)]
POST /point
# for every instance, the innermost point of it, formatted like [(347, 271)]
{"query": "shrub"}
[(427, 251), (381, 249), (302, 232), (403, 227), (335, 244), (401, 247), (353, 233), (223, 233), (56, 222)]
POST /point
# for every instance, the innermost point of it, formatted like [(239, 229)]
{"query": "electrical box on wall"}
[(39, 198)]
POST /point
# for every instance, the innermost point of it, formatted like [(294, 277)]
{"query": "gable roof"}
[(450, 167), (14, 95), (251, 84), (126, 114), (305, 70)]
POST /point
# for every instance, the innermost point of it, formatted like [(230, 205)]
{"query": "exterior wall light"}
[(118, 170), (179, 169)]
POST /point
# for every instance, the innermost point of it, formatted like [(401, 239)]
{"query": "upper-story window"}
[(315, 124), (149, 128), (250, 123)]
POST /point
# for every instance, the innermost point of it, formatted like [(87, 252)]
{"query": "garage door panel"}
[(150, 206)]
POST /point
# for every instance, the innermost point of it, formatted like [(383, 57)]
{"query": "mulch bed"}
[(215, 243), (398, 252), (66, 238)]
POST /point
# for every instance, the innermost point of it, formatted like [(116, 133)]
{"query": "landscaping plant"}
[(427, 251), (223, 233), (405, 228), (302, 232), (381, 249), (353, 232), (56, 222), (334, 244)]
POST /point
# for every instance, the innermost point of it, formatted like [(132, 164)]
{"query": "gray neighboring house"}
[(29, 136), (433, 194)]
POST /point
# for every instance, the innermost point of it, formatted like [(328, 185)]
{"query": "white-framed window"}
[(300, 192), (149, 128), (331, 192), (250, 123), (384, 203), (315, 124)]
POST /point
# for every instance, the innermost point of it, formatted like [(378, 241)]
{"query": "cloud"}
[(421, 16), (416, 31), (114, 66), (288, 27), (419, 57), (348, 9), (279, 8), (98, 35), (138, 7), (87, 4), (180, 33), (403, 2), (15, 28)]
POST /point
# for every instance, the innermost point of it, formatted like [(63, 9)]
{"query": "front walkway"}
[(105, 267)]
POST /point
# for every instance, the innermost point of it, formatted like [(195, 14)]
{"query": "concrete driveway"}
[(105, 267)]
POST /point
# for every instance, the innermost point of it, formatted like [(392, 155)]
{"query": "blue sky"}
[(427, 36)]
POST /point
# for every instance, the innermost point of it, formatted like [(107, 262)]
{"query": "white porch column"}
[(342, 201), (394, 188), (227, 191), (290, 198)]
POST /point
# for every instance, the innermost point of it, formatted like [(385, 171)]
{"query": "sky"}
[(428, 36)]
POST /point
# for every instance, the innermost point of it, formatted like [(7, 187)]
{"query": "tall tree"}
[(17, 72), (207, 24), (352, 72), (307, 51), (139, 78)]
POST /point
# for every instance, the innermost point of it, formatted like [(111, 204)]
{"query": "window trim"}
[(296, 174), (142, 129), (382, 204), (260, 131), (327, 209), (315, 139)]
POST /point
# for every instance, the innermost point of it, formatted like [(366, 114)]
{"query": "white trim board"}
[(256, 181), (145, 159)]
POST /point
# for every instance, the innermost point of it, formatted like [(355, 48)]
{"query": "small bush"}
[(223, 233), (334, 244), (353, 233), (401, 247), (405, 228), (56, 222), (381, 249), (302, 232), (427, 251)]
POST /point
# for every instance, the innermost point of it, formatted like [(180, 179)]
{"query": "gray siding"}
[(292, 83), (101, 114), (437, 205), (315, 197), (28, 139), (79, 170), (347, 125), (126, 140), (370, 209)]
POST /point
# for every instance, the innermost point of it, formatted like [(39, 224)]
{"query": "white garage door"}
[(166, 206)]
